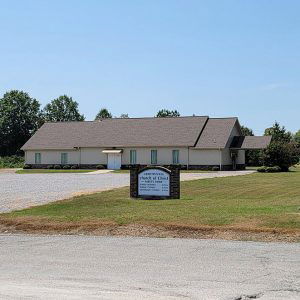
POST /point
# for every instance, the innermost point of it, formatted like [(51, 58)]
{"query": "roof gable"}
[(216, 133)]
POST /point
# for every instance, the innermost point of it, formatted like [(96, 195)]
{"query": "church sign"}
[(155, 182)]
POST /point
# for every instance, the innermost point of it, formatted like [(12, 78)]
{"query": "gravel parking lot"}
[(23, 190)]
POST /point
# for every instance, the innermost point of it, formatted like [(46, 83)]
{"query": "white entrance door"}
[(114, 161)]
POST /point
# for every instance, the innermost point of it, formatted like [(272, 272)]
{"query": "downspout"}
[(220, 159), (79, 156)]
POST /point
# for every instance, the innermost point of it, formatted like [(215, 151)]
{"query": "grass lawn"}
[(249, 202), (251, 168), (43, 171)]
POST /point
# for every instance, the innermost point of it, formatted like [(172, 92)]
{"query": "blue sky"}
[(216, 58)]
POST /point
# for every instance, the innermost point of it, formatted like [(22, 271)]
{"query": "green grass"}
[(253, 168), (256, 200), (121, 171), (43, 171)]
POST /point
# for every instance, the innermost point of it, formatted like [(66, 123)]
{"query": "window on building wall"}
[(175, 156), (153, 157), (64, 158), (132, 157), (38, 158)]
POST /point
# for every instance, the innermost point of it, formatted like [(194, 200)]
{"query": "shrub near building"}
[(283, 155), (283, 151), (13, 161)]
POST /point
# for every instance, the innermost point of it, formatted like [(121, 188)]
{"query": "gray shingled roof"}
[(132, 132), (216, 133), (250, 142)]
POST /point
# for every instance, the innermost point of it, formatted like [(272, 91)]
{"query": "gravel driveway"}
[(23, 190)]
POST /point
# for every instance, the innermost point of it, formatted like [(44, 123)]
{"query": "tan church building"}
[(196, 142)]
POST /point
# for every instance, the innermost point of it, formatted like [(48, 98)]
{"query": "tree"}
[(163, 113), (103, 114), (246, 131), (20, 117), (62, 109), (297, 137), (281, 154), (282, 151), (124, 116), (279, 134)]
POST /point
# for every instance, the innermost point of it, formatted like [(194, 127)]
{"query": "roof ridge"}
[(118, 118), (143, 118), (217, 118)]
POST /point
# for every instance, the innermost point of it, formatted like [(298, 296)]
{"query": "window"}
[(175, 156), (153, 157), (64, 158), (37, 158), (132, 157)]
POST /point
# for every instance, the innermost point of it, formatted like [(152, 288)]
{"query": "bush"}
[(273, 169), (100, 167), (66, 167), (265, 169), (50, 167), (283, 155), (13, 161), (27, 167), (74, 167), (262, 169), (57, 167), (215, 168)]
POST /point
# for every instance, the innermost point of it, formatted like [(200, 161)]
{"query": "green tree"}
[(163, 113), (62, 109), (246, 131), (103, 114), (282, 151), (297, 137), (20, 117), (279, 134), (281, 154), (124, 116)]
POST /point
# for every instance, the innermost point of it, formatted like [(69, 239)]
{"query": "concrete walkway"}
[(105, 171), (195, 176)]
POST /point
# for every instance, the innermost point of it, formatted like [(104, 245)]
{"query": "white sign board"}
[(154, 182)]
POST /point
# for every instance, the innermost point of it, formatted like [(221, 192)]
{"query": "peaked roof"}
[(216, 133), (116, 132)]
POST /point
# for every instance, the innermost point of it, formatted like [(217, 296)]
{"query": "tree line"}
[(21, 115)]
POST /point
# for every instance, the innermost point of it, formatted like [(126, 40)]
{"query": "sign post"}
[(155, 182)]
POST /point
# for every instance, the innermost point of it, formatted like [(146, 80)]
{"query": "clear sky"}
[(216, 58)]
